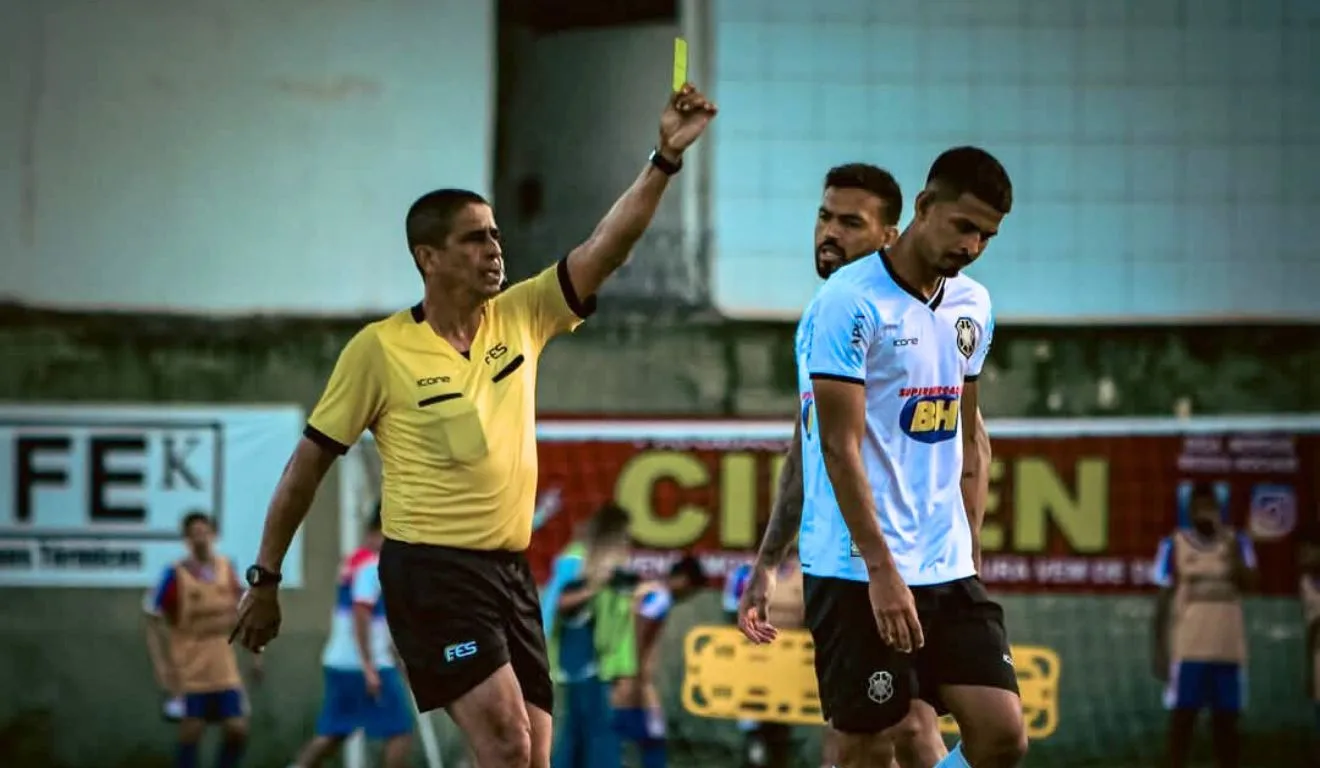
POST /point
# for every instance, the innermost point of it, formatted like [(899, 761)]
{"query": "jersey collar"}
[(933, 303)]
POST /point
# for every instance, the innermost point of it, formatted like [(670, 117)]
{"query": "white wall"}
[(1165, 154), (233, 157), (582, 115)]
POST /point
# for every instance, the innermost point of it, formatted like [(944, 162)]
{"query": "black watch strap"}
[(262, 577), (664, 164)]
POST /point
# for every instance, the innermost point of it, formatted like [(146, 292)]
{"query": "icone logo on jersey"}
[(931, 413)]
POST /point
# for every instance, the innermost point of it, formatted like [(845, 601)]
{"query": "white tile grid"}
[(1149, 147)]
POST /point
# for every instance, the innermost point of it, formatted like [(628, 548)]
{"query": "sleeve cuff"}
[(836, 377), (325, 441), (583, 309), (971, 378)]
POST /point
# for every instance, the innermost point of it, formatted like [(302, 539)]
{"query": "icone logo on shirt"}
[(930, 418)]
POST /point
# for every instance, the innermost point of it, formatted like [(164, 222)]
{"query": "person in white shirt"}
[(363, 687), (895, 466), (858, 215)]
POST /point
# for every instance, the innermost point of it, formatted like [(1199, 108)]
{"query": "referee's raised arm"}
[(447, 387), (685, 117)]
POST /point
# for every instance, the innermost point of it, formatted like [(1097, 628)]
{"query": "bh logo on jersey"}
[(930, 418)]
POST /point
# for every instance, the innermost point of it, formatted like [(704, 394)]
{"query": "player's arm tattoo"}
[(786, 509)]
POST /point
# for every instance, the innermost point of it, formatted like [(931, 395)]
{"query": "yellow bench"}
[(728, 677)]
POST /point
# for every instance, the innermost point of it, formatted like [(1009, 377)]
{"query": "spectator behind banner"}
[(638, 714), (582, 641)]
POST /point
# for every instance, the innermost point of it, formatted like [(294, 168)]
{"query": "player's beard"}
[(829, 257)]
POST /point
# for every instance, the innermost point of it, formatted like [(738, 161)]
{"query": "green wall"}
[(77, 682)]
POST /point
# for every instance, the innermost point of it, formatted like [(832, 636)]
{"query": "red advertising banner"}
[(1074, 505)]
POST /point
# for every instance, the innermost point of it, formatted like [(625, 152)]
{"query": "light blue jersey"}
[(865, 326)]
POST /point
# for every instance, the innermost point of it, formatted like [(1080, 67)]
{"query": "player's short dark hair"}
[(873, 179), (1202, 491), (689, 566), (430, 218), (610, 520), (971, 171), (195, 517)]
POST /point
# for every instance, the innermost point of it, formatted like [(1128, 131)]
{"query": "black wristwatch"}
[(261, 577), (664, 164)]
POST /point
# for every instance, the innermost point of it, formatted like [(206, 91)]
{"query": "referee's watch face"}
[(471, 258)]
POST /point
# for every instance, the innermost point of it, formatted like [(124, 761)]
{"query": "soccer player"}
[(894, 466), (858, 216), (639, 716), (448, 389), (191, 612), (363, 690), (1200, 639)]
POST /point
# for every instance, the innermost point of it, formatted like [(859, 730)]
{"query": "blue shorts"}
[(1214, 685), (215, 706), (347, 706)]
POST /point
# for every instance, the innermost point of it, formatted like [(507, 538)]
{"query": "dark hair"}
[(690, 567), (196, 517), (610, 520), (971, 171), (873, 179), (430, 218), (1203, 491)]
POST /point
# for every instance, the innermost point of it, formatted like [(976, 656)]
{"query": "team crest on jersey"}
[(930, 418), (966, 330)]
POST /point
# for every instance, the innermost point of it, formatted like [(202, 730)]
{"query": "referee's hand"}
[(258, 619), (895, 611), (753, 606)]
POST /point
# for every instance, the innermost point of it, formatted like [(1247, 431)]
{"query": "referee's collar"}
[(933, 302), (418, 315)]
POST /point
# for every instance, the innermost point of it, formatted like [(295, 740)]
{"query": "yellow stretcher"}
[(728, 677)]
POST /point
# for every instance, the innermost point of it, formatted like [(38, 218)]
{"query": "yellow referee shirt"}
[(456, 433)]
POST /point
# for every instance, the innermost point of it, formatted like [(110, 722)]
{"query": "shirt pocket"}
[(453, 425)]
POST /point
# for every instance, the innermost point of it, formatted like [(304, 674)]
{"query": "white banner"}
[(93, 496)]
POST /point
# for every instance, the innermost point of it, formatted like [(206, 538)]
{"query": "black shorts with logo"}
[(457, 615), (866, 686)]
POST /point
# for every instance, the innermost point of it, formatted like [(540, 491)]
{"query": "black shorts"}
[(866, 686), (457, 615)]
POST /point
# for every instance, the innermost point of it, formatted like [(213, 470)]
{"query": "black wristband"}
[(664, 164)]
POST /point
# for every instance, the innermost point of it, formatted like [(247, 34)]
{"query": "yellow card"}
[(680, 63)]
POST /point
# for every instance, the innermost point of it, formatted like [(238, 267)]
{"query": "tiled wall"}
[(1165, 153)]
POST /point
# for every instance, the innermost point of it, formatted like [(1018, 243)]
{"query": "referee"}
[(448, 389)]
